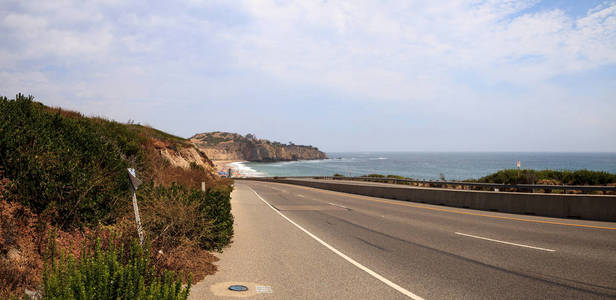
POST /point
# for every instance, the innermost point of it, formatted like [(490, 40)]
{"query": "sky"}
[(423, 75)]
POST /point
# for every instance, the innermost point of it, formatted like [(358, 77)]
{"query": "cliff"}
[(233, 146), (185, 156)]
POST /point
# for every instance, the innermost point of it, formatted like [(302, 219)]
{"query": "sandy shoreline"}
[(225, 164)]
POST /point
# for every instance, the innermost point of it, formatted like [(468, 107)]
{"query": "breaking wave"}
[(246, 171)]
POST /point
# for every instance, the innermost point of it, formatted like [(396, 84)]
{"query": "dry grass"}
[(23, 240), (20, 259), (171, 221), (161, 172), (64, 112), (549, 182), (188, 259)]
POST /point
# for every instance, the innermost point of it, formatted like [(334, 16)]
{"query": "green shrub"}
[(109, 273), (216, 205), (68, 166), (374, 175), (396, 176), (73, 169), (528, 176), (338, 175)]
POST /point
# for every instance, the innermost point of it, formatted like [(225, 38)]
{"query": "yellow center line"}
[(368, 198)]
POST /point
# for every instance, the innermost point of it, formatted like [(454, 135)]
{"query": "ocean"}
[(429, 165)]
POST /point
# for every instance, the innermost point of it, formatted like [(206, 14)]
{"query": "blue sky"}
[(461, 75)]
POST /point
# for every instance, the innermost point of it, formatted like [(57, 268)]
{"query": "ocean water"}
[(429, 165)]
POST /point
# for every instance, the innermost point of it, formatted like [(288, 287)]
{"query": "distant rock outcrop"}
[(232, 146)]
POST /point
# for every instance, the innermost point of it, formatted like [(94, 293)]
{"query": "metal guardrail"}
[(436, 183)]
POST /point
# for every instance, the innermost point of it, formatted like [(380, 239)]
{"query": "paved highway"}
[(296, 242)]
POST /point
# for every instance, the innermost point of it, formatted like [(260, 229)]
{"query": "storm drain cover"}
[(238, 288)]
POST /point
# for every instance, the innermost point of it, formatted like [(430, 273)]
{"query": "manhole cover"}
[(238, 288)]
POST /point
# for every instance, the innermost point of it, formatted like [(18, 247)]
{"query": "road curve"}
[(307, 243)]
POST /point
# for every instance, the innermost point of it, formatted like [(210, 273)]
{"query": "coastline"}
[(237, 167), (429, 165), (225, 164)]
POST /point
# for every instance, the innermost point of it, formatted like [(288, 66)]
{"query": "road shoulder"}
[(271, 253)]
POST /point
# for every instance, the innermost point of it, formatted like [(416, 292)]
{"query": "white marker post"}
[(135, 183)]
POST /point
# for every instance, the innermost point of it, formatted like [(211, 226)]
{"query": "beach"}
[(223, 164), (237, 167)]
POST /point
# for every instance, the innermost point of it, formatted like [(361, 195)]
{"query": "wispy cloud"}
[(448, 64), (392, 50)]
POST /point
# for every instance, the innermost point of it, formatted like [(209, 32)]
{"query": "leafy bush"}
[(172, 214), (73, 168), (527, 176), (215, 203), (374, 175), (69, 167), (70, 171), (338, 175), (109, 273)]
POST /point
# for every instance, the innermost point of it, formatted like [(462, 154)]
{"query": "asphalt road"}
[(304, 243)]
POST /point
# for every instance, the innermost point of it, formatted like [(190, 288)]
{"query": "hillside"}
[(232, 146), (63, 180)]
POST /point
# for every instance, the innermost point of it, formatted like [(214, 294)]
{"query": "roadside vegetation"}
[(65, 172), (108, 273), (513, 177), (550, 177), (529, 176)]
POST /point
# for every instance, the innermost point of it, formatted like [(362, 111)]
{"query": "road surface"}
[(296, 242)]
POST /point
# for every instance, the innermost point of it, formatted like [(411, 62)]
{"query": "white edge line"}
[(503, 242), (352, 261)]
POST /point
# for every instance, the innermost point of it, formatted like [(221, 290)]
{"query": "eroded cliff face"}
[(232, 146), (183, 157)]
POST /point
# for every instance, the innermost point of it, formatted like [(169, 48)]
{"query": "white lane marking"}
[(352, 261), (300, 195), (334, 204), (503, 242)]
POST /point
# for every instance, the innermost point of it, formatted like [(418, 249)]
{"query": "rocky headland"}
[(225, 146)]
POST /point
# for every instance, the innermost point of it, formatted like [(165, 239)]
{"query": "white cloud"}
[(366, 46), (462, 60)]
